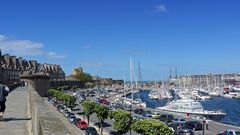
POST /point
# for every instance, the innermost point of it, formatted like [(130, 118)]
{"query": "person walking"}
[(207, 124), (4, 90)]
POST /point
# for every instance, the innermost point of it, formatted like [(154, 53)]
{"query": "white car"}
[(71, 118), (156, 115), (179, 120), (230, 132)]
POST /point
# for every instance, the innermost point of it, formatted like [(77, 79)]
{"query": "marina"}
[(216, 103), (230, 121)]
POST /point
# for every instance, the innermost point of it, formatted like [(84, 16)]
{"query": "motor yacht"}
[(192, 108)]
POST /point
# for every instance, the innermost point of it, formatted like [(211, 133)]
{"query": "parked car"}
[(156, 115), (147, 114), (111, 108), (65, 112), (138, 111), (104, 101), (127, 108), (97, 100), (180, 120), (184, 132), (71, 118), (118, 106), (194, 125), (82, 124), (167, 118), (176, 125), (75, 121), (68, 114), (135, 118), (230, 132), (50, 98), (91, 131), (60, 108)]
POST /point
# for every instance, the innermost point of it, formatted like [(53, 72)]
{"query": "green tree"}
[(68, 99), (151, 127), (85, 77), (102, 114), (51, 92), (88, 108), (122, 121)]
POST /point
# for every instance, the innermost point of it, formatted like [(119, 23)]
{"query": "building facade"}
[(11, 67), (208, 80)]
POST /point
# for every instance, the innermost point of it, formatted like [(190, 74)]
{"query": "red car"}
[(104, 101), (82, 124)]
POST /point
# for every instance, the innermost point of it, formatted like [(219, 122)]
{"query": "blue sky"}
[(199, 36)]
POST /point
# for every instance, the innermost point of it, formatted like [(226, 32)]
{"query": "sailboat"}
[(134, 85)]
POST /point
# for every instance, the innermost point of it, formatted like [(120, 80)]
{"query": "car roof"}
[(233, 130), (91, 128), (193, 121), (177, 122)]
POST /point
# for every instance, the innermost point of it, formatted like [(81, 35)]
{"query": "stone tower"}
[(40, 81)]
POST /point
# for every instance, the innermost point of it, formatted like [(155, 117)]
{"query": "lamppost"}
[(130, 132), (203, 132)]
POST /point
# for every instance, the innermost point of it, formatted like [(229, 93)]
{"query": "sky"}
[(196, 36)]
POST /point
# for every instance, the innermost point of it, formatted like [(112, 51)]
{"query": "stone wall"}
[(44, 120), (55, 84)]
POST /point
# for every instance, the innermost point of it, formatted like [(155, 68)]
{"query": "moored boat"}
[(192, 108)]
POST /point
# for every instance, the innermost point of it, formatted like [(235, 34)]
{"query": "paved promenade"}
[(15, 117)]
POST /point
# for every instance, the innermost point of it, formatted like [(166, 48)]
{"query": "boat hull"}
[(214, 117)]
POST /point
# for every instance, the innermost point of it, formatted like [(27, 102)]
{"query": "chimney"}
[(7, 59), (20, 61), (14, 60)]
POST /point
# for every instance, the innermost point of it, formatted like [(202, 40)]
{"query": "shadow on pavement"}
[(16, 119), (114, 133), (104, 124)]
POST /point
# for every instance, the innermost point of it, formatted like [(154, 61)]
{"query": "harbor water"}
[(230, 106)]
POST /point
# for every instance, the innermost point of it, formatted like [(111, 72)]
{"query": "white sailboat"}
[(137, 102)]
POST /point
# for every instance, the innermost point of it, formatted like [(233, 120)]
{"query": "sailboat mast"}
[(131, 77), (124, 86), (139, 74)]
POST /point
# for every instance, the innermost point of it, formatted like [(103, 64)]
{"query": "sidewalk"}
[(15, 116)]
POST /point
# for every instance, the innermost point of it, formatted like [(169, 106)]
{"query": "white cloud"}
[(161, 8), (53, 55), (25, 48)]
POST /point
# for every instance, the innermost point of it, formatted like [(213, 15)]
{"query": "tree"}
[(88, 108), (85, 77), (122, 121), (68, 99), (151, 127), (72, 100), (102, 114)]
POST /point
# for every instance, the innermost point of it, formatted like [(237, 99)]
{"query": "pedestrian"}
[(4, 90), (206, 124), (25, 84)]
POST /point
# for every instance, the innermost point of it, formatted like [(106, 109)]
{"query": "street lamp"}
[(130, 119), (203, 132)]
